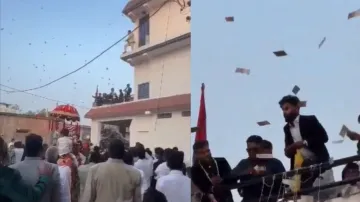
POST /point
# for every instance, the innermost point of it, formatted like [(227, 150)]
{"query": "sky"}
[(40, 33), (327, 77)]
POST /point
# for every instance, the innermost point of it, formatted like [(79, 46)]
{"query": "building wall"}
[(9, 124), (84, 131), (168, 75), (169, 72), (154, 132), (167, 23), (95, 132)]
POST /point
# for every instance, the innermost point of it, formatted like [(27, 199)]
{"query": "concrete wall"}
[(168, 75), (169, 72), (95, 132), (9, 124), (154, 132), (167, 23)]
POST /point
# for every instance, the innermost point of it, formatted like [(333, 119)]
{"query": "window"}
[(144, 30), (143, 91), (185, 113), (20, 130), (164, 116)]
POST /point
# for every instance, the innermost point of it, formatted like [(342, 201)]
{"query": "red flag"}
[(201, 125)]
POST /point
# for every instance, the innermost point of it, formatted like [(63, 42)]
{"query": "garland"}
[(207, 174)]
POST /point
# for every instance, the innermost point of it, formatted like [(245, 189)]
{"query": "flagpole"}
[(200, 129)]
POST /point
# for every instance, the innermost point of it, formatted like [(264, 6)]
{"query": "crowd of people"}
[(124, 95), (66, 172), (305, 140)]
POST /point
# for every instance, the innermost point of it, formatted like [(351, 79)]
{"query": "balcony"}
[(135, 9), (148, 51), (141, 107), (112, 102)]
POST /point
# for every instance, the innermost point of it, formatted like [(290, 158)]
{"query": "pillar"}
[(95, 132)]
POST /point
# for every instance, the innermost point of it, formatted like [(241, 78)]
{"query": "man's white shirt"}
[(65, 182), (143, 181), (146, 166), (83, 158), (18, 154), (175, 186), (162, 170), (296, 135), (147, 156)]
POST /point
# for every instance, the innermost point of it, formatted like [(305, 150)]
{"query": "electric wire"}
[(162, 68), (43, 97)]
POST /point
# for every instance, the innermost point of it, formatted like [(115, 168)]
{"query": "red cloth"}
[(201, 124), (86, 145)]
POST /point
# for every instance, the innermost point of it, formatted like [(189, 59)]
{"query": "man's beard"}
[(289, 118), (206, 160)]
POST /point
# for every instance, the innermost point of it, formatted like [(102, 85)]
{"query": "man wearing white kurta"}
[(175, 186), (146, 166), (162, 170)]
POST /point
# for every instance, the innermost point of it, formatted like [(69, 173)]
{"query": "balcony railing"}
[(131, 47), (102, 101), (138, 55), (288, 196)]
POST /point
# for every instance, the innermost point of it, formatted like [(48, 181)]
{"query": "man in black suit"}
[(246, 170), (207, 172), (304, 133)]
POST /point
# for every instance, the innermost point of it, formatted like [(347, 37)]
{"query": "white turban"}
[(64, 145)]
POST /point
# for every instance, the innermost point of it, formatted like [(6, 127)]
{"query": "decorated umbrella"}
[(70, 114), (66, 112)]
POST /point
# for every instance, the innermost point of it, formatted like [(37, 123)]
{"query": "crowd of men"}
[(305, 139), (67, 173), (112, 174), (124, 95)]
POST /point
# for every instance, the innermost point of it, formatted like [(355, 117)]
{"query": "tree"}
[(15, 107), (42, 112), (30, 113)]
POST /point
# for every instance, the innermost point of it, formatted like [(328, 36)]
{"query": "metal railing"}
[(101, 101), (280, 176)]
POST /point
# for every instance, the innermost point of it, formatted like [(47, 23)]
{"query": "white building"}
[(8, 108), (159, 115)]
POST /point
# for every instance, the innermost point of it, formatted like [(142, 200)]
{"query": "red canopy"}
[(67, 112)]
